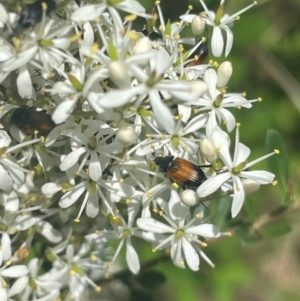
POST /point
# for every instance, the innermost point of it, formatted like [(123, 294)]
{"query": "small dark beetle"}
[(181, 171), (201, 53), (32, 15), (28, 120)]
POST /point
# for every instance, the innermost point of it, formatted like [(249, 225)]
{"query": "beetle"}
[(32, 15), (29, 120), (181, 171), (200, 54)]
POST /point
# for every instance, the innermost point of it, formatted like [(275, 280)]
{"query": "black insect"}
[(199, 55), (31, 122), (32, 15)]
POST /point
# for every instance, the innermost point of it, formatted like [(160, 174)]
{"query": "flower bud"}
[(197, 26), (142, 45), (250, 186), (224, 73), (189, 197), (126, 135), (208, 150), (198, 87), (119, 75)]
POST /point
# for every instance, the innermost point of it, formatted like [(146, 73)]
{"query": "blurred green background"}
[(263, 264)]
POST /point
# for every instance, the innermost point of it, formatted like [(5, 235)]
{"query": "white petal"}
[(15, 271), (212, 184), (6, 182), (120, 189), (72, 158), (18, 286), (3, 293), (205, 230), (5, 53), (12, 202), (51, 188), (71, 197), (87, 13), (196, 123), (241, 154), (188, 18), (162, 113), (20, 59), (95, 171), (259, 176), (190, 254), (24, 83), (152, 225), (119, 98), (229, 40), (92, 206), (48, 232), (132, 258), (217, 42), (6, 246), (238, 198), (228, 118), (146, 148), (63, 111)]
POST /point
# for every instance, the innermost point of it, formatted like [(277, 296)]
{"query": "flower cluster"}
[(87, 104)]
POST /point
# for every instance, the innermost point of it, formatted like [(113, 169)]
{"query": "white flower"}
[(181, 236), (221, 21), (235, 170), (217, 103), (91, 139)]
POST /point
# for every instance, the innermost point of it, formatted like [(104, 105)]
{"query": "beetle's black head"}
[(164, 163)]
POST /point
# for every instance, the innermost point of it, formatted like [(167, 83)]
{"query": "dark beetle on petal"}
[(32, 15), (29, 120), (200, 54), (181, 171)]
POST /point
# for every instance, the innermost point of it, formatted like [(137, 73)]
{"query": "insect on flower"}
[(30, 121), (200, 54), (181, 171), (32, 15)]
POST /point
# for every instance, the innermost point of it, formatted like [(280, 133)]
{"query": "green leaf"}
[(278, 229), (151, 279), (279, 164)]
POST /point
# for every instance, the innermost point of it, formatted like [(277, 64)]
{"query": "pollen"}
[(190, 7), (94, 48), (275, 183), (130, 18), (93, 257), (77, 220), (259, 99), (175, 186), (277, 151), (98, 289)]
